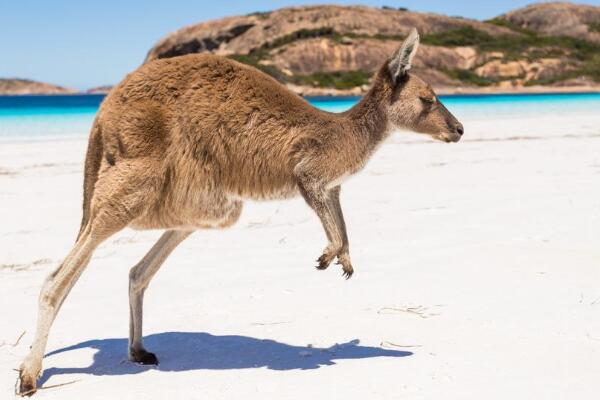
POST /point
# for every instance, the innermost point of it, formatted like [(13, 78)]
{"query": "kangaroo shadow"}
[(185, 351)]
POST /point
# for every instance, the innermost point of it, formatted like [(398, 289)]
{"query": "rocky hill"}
[(558, 19), (336, 49), (26, 86)]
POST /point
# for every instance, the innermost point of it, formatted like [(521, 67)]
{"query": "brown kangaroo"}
[(181, 142)]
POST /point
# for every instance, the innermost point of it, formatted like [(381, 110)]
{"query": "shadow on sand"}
[(185, 351)]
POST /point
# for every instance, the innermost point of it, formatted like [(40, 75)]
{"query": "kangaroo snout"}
[(459, 128), (454, 133), (458, 132)]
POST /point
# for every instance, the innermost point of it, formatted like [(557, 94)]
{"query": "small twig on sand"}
[(419, 310), (24, 267), (269, 323), (385, 344), (27, 393), (16, 343)]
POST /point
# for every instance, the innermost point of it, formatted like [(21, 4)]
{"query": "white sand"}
[(493, 243)]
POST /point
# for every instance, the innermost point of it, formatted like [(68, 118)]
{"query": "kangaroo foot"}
[(27, 383), (343, 259), (325, 260), (141, 356)]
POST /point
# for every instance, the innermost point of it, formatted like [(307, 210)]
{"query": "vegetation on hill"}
[(342, 80), (594, 26), (469, 77), (527, 45)]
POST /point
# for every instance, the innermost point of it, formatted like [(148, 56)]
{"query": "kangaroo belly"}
[(259, 184), (190, 209)]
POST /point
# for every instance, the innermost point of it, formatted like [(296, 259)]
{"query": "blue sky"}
[(82, 44)]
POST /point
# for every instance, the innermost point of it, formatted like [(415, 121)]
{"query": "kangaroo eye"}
[(428, 100)]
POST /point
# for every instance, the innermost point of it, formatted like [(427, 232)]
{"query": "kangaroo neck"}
[(368, 117)]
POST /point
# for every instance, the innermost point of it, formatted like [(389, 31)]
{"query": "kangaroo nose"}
[(459, 129)]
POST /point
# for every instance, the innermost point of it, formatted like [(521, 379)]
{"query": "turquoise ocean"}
[(71, 116)]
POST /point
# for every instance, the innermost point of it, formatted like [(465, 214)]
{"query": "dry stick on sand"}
[(419, 310), (386, 344), (16, 343), (27, 393)]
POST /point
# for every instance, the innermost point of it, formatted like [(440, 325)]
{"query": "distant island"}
[(334, 50), (26, 86), (99, 89)]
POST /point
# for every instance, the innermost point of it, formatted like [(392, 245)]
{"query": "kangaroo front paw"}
[(141, 356), (27, 383), (347, 270)]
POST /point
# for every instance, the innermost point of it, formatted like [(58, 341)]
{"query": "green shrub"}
[(404, 9), (591, 68), (253, 59), (259, 14), (339, 80), (470, 77), (465, 36), (245, 59), (301, 34), (499, 21), (594, 26)]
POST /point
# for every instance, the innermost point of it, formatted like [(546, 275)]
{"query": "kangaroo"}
[(181, 142)]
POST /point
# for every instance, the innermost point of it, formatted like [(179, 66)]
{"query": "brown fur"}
[(181, 142)]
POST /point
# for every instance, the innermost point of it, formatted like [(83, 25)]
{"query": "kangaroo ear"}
[(401, 61)]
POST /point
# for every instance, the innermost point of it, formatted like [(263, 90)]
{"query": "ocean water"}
[(71, 116)]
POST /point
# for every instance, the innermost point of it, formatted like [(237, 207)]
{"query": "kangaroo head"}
[(414, 105)]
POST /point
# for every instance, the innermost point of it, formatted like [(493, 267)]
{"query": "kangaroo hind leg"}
[(54, 291), (139, 279), (115, 203)]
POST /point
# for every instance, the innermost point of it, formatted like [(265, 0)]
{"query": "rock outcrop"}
[(527, 70), (243, 34)]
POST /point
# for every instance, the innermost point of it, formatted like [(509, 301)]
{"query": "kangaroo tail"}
[(92, 165)]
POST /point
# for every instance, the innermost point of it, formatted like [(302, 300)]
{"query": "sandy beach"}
[(477, 270)]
